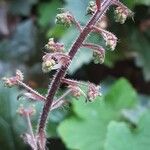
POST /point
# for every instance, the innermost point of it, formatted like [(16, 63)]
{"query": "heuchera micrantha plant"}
[(57, 58)]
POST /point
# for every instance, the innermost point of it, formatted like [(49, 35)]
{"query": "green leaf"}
[(132, 3), (121, 137), (145, 2), (86, 129), (11, 125), (47, 12)]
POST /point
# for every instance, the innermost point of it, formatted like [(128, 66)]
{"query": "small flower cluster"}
[(121, 14), (90, 91), (53, 46), (93, 91), (99, 56), (26, 111), (55, 58), (110, 39), (64, 18), (91, 9), (10, 82)]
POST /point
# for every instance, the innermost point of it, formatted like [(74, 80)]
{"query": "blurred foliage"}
[(45, 11), (86, 124), (100, 123), (89, 122), (11, 127), (121, 136), (141, 44)]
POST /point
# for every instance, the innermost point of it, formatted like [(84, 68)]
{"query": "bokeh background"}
[(26, 26)]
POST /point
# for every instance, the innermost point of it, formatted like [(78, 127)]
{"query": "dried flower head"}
[(64, 18), (53, 46), (121, 14)]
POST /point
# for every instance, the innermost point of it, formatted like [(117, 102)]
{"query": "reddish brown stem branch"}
[(98, 4), (61, 72), (29, 89)]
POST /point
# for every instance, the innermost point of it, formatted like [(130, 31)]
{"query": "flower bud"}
[(26, 111), (93, 91), (75, 90), (91, 8), (12, 81), (19, 75), (111, 40), (53, 46), (121, 14), (64, 18), (48, 65), (9, 82), (98, 57)]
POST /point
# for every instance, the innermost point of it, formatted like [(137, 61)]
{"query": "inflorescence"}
[(56, 58)]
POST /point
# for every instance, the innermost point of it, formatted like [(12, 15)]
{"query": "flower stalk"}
[(62, 71)]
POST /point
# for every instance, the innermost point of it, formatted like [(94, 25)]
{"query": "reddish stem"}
[(98, 4), (62, 71)]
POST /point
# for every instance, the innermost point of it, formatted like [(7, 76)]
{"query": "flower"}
[(111, 40), (91, 8), (64, 18), (76, 91), (19, 75), (48, 65), (54, 46), (12, 81), (26, 111), (121, 14), (54, 61), (99, 55), (93, 91)]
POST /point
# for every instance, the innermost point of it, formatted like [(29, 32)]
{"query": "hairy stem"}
[(56, 103), (29, 89), (61, 72), (31, 131)]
